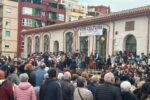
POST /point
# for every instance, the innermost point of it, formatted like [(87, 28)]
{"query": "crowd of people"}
[(66, 76)]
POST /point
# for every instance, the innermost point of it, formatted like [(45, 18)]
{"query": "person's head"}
[(125, 86), (140, 84), (13, 69), (95, 79), (2, 75), (60, 76), (52, 73), (67, 76), (109, 78), (81, 82), (42, 65), (28, 67), (74, 77), (85, 75), (24, 77)]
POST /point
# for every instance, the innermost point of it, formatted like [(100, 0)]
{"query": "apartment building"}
[(98, 10), (38, 13), (74, 11), (8, 27)]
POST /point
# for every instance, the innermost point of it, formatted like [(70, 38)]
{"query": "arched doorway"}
[(69, 42), (101, 46), (37, 44), (29, 46), (130, 44), (46, 43), (84, 44), (56, 47)]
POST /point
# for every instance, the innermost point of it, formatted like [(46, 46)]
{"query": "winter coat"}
[(13, 78), (50, 90), (68, 90), (107, 91), (128, 96), (85, 93), (24, 91), (6, 90)]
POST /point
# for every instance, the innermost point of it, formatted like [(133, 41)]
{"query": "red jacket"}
[(6, 90)]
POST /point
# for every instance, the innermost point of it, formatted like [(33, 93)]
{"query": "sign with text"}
[(91, 30)]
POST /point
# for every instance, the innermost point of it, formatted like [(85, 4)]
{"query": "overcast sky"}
[(117, 5)]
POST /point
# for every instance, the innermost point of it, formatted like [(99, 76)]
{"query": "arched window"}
[(37, 44), (29, 46), (46, 43), (56, 46), (84, 44), (130, 44), (69, 42)]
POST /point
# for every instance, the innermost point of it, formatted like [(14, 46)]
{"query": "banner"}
[(91, 30)]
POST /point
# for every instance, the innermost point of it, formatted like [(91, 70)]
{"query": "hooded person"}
[(6, 88), (24, 91)]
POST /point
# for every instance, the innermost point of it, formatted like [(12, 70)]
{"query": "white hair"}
[(67, 76), (125, 86), (109, 77), (60, 76), (24, 77)]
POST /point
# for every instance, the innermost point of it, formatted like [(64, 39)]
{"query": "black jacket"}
[(107, 91), (128, 96), (68, 90), (50, 90)]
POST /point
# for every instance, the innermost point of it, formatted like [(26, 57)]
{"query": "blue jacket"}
[(40, 76)]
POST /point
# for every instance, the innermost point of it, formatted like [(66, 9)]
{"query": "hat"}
[(2, 74)]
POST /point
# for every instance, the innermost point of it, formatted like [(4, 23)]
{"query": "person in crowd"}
[(81, 92), (126, 91), (13, 77), (86, 76), (67, 87), (74, 80), (31, 73), (51, 88), (24, 91), (40, 74), (145, 91), (107, 91), (108, 62), (138, 91), (60, 76), (6, 88), (95, 83)]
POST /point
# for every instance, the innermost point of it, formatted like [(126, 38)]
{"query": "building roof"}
[(131, 13)]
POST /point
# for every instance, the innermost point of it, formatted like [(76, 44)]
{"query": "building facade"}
[(127, 30), (98, 10), (8, 27), (74, 11), (38, 13)]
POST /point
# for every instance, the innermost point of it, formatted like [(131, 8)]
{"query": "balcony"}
[(29, 4), (34, 17)]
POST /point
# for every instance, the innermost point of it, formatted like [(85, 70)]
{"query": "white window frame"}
[(7, 45)]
